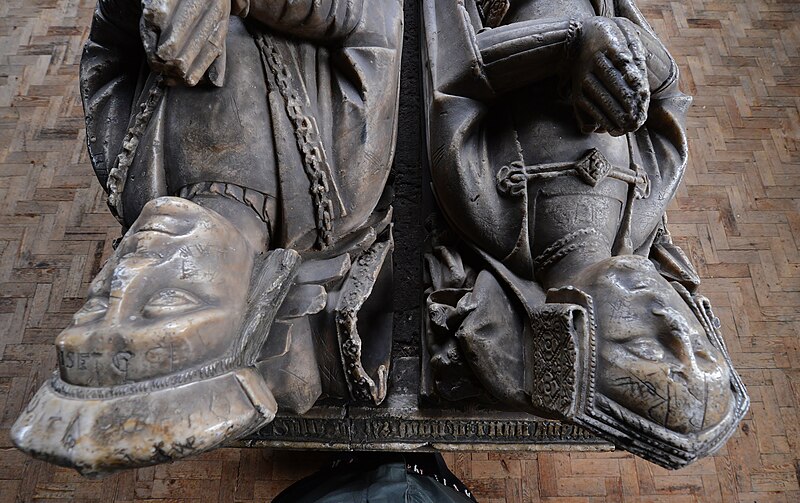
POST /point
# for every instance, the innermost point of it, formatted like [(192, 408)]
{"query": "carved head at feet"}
[(653, 355), (170, 298), (158, 364), (645, 365)]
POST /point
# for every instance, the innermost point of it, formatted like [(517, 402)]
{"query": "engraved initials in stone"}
[(120, 360)]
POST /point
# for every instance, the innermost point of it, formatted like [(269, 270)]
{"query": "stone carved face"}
[(171, 297), (654, 356)]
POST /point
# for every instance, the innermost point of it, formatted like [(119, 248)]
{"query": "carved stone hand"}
[(610, 91), (184, 39)]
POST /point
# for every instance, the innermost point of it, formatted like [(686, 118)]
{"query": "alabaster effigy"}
[(556, 141), (244, 146)]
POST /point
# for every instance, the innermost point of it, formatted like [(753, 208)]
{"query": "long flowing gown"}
[(306, 116), (473, 133)]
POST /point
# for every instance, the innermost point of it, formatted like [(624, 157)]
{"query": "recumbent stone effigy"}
[(245, 147)]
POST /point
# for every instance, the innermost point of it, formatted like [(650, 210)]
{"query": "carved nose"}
[(681, 346), (87, 356)]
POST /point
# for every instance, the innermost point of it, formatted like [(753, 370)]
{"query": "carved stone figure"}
[(556, 141), (245, 146)]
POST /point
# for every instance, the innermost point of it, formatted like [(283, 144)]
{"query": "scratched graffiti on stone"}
[(556, 141), (243, 182), (245, 147)]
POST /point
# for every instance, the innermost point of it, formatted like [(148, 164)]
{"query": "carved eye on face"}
[(647, 349), (94, 309), (170, 301)]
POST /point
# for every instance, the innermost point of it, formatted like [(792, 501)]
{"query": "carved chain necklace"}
[(308, 140)]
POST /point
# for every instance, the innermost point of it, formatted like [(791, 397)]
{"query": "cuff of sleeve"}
[(572, 40), (240, 8)]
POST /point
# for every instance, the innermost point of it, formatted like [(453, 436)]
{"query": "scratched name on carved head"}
[(556, 142)]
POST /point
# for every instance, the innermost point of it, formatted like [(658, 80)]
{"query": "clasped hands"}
[(610, 89), (185, 39)]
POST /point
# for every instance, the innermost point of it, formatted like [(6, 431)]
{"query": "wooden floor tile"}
[(737, 215)]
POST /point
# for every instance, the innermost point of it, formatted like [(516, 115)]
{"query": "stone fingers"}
[(156, 14), (624, 95), (638, 80), (610, 88), (203, 43), (183, 39), (618, 67), (177, 29), (213, 50), (592, 118)]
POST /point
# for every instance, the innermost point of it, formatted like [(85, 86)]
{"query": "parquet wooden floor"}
[(737, 215)]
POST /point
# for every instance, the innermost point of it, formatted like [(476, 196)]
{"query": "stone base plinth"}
[(401, 423)]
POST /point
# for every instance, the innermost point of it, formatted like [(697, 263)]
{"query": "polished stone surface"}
[(739, 247)]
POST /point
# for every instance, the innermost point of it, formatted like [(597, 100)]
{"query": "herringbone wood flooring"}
[(737, 215)]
